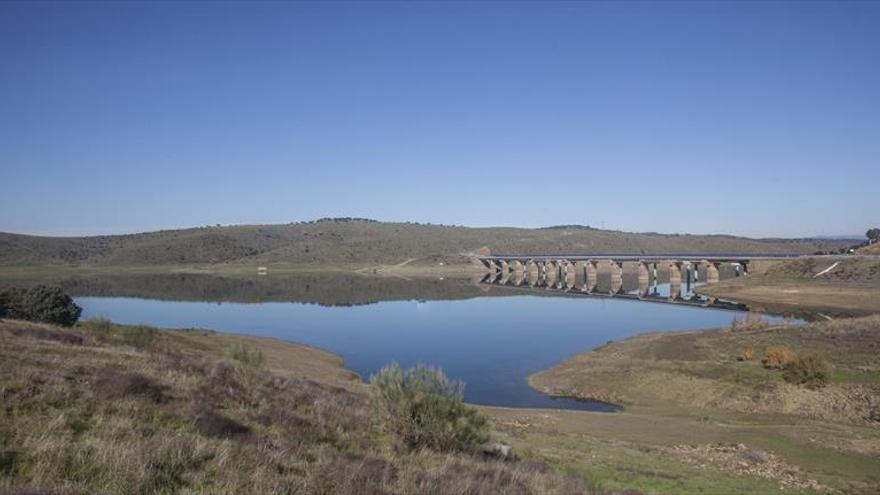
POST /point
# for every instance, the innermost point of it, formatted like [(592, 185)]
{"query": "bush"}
[(811, 371), (426, 409), (41, 303), (746, 354), (777, 357)]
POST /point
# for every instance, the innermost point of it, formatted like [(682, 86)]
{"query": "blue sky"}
[(749, 118)]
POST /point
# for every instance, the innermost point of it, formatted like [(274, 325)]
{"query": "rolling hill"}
[(363, 242)]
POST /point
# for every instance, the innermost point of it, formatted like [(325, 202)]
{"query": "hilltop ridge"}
[(356, 241)]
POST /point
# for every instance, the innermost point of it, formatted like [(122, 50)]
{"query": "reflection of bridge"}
[(581, 272)]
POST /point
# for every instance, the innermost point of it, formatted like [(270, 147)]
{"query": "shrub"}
[(47, 304), (777, 357), (811, 371), (746, 354), (426, 409), (247, 356)]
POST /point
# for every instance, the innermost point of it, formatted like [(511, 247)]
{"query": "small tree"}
[(426, 409), (811, 371), (50, 305), (873, 235)]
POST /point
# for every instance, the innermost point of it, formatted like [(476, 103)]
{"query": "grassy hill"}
[(362, 242), (101, 408)]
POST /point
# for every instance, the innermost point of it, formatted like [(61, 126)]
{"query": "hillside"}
[(354, 242), (840, 286), (101, 408), (822, 427)]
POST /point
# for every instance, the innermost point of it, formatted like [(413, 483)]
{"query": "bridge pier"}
[(570, 274), (645, 277), (689, 270), (712, 272), (533, 272), (616, 276), (674, 280), (591, 274), (551, 274)]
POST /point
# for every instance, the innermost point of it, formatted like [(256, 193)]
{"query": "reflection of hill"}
[(337, 289)]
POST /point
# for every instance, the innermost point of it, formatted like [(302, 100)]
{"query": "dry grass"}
[(98, 411), (701, 370), (777, 357), (750, 321)]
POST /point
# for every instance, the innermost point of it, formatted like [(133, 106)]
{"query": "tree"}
[(50, 305), (873, 235)]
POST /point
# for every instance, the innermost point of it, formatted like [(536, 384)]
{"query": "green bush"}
[(426, 409), (40, 303), (811, 371)]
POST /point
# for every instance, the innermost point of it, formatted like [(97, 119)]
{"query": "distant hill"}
[(363, 242)]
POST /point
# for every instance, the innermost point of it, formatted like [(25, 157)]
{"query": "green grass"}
[(648, 470)]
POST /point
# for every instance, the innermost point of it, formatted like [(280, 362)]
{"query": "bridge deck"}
[(722, 257)]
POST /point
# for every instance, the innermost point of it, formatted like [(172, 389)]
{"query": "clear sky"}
[(749, 118)]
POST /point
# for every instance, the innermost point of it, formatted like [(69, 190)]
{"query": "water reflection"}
[(322, 288), (488, 335)]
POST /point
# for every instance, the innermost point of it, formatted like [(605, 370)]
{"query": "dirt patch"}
[(742, 460)]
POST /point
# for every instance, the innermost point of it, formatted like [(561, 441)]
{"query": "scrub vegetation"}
[(39, 303), (426, 409), (104, 408)]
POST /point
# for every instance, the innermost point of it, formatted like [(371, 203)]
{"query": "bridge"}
[(581, 271)]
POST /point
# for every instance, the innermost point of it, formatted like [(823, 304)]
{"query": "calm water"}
[(491, 338)]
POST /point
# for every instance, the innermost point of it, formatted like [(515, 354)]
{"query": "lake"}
[(490, 337)]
